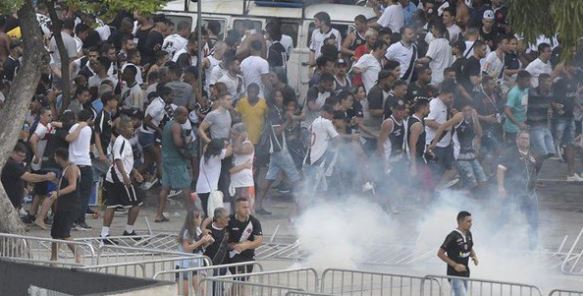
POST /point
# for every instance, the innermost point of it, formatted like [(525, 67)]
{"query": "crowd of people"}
[(429, 94)]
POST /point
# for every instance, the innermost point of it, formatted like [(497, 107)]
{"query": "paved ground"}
[(561, 214)]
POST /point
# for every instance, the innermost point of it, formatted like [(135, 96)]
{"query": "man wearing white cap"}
[(487, 32)]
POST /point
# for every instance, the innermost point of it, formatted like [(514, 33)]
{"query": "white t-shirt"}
[(317, 40), (454, 32), (132, 97), (70, 46), (216, 73), (213, 62), (288, 43), (441, 57), (235, 85), (243, 178), (209, 172), (402, 54), (122, 150), (393, 18), (41, 131), (370, 67), (156, 111), (80, 148), (536, 68), (322, 131), (470, 49), (493, 66), (253, 67), (173, 43), (438, 113)]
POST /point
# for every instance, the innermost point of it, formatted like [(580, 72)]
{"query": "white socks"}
[(104, 231), (129, 228)]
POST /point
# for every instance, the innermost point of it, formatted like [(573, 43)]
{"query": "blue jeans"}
[(564, 131), (527, 204), (84, 189), (282, 161), (459, 287), (542, 140), (471, 172)]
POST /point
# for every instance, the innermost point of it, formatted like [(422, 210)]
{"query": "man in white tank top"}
[(242, 170)]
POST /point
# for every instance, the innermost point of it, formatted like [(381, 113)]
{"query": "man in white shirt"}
[(318, 161), (79, 139), (255, 68), (322, 31), (177, 41), (438, 115), (439, 55), (404, 52), (68, 40), (393, 17), (540, 65), (494, 62), (369, 65), (233, 79), (448, 18), (118, 187)]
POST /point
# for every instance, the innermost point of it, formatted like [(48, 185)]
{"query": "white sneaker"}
[(367, 187), (451, 183), (574, 178), (174, 193), (148, 184)]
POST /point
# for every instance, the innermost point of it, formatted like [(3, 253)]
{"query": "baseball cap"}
[(488, 15), (341, 62)]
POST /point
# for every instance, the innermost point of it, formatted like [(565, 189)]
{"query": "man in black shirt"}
[(516, 178), (471, 73), (245, 235), (14, 175), (456, 251), (565, 90), (154, 40), (421, 87), (12, 63), (537, 118), (217, 251)]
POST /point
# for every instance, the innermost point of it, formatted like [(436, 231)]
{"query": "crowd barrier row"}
[(207, 279)]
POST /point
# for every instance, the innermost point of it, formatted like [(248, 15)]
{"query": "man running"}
[(118, 187), (456, 251), (175, 174)]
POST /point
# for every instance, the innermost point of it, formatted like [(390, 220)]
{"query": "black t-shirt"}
[(458, 248), (276, 55), (458, 67), (487, 105), (152, 44), (217, 251), (565, 90), (103, 126), (415, 90), (10, 67), (538, 106), (511, 61), (57, 140), (141, 35), (244, 231), (375, 98), (355, 110), (489, 38), (276, 118), (13, 184), (472, 68), (521, 172)]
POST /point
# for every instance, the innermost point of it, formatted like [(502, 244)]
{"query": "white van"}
[(297, 22)]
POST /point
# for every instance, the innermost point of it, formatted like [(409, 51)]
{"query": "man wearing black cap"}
[(12, 62)]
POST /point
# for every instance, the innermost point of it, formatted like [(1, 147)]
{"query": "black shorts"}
[(120, 195), (62, 223), (242, 268), (41, 188)]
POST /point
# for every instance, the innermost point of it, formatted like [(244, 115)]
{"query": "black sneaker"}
[(133, 233), (108, 241), (28, 219)]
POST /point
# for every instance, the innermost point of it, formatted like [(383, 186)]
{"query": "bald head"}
[(181, 114)]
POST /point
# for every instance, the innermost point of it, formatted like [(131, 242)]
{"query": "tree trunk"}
[(65, 59), (21, 92)]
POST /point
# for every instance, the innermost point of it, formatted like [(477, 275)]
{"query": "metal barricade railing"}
[(573, 260), (111, 254), (304, 279), (209, 288), (139, 269), (188, 278), (37, 249), (559, 292), (478, 287), (160, 241), (357, 282), (300, 293)]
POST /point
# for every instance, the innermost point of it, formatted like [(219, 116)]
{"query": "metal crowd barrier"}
[(478, 287), (38, 250), (209, 286), (353, 282), (139, 269), (160, 241), (299, 293), (111, 254), (559, 292), (188, 279), (572, 262), (303, 279)]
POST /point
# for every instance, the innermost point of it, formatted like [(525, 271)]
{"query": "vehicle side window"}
[(290, 28), (177, 19), (221, 22), (257, 25)]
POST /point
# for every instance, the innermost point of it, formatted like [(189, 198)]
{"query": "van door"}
[(239, 22), (177, 17)]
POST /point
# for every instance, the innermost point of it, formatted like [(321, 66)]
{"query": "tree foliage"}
[(531, 18)]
